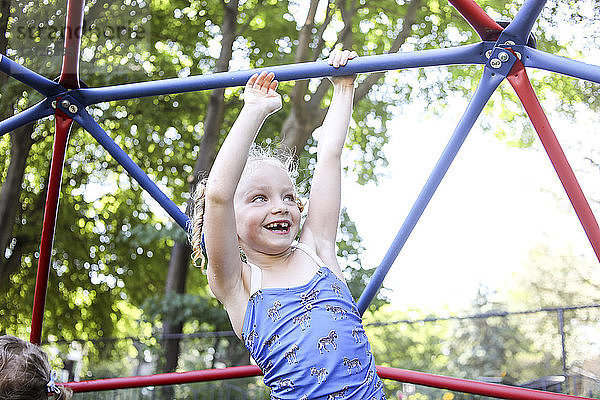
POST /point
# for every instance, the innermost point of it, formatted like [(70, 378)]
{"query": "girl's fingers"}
[(252, 80), (331, 57), (334, 58), (267, 82), (260, 80), (339, 58), (347, 55), (263, 81), (343, 57)]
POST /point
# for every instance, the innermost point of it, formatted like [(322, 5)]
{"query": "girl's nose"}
[(279, 208)]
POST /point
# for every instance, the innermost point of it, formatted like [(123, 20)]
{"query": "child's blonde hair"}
[(25, 372), (282, 156)]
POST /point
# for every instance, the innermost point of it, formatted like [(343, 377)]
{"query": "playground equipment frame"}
[(504, 52)]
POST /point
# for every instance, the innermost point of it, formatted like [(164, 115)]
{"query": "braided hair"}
[(25, 372)]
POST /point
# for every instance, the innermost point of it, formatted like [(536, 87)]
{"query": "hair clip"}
[(202, 244), (52, 388)]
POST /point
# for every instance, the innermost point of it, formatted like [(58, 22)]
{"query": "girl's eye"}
[(290, 197), (259, 199)]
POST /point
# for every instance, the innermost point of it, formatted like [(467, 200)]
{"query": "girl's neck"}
[(269, 261)]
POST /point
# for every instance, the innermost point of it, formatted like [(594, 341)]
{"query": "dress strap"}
[(255, 278), (310, 252)]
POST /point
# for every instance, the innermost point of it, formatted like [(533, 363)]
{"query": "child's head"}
[(264, 167), (25, 372)]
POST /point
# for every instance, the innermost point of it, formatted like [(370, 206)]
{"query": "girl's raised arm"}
[(322, 220), (220, 234)]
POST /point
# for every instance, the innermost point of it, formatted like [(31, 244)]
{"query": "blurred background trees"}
[(121, 268)]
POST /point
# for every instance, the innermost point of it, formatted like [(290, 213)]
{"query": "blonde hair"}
[(282, 156), (25, 372)]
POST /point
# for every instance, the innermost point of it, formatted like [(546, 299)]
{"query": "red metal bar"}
[(69, 77), (165, 379), (520, 82), (402, 375), (61, 137), (486, 27), (469, 386)]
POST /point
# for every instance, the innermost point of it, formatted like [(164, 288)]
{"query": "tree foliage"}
[(112, 245), (490, 347), (557, 278)]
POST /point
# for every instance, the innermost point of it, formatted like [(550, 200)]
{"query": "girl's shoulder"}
[(324, 252)]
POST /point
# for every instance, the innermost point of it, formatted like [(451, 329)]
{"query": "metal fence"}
[(571, 365)]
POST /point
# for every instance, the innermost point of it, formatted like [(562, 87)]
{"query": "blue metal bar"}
[(87, 122), (468, 54), (35, 81), (519, 29), (562, 65), (33, 113), (489, 82)]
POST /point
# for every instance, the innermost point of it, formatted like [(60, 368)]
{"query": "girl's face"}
[(266, 212)]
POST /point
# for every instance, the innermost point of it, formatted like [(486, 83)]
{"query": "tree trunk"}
[(10, 193), (297, 126), (305, 116), (20, 145), (180, 254), (4, 13)]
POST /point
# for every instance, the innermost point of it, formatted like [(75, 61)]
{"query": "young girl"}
[(287, 300), (25, 372)]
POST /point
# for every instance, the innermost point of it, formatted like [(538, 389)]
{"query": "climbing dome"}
[(505, 51)]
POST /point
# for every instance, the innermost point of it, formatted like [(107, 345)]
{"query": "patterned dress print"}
[(310, 343)]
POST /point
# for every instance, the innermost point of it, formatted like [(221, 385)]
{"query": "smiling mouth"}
[(278, 227)]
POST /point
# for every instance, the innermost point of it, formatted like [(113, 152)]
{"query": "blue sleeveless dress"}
[(309, 340)]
